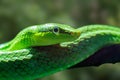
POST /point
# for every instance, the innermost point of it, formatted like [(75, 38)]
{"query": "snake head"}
[(53, 33), (44, 35)]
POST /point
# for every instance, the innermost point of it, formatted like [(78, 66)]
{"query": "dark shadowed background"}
[(18, 14)]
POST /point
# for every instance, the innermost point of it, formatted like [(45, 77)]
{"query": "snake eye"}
[(56, 30)]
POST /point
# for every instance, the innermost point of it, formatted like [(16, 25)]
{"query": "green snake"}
[(41, 50)]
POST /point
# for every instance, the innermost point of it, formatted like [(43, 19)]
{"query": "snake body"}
[(35, 53)]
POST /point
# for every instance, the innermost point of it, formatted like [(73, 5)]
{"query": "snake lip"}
[(75, 33)]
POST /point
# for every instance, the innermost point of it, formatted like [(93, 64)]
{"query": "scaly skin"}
[(41, 35), (37, 62)]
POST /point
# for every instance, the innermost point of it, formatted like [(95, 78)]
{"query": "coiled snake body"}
[(41, 50)]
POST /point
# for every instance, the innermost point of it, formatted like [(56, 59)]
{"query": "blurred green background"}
[(18, 14)]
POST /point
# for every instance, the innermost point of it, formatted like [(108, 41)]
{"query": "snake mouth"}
[(75, 33)]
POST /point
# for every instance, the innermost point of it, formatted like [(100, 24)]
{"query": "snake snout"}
[(75, 33)]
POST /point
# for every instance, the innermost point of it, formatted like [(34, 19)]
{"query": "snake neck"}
[(5, 46), (16, 44)]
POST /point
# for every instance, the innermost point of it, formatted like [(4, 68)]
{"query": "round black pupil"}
[(55, 29)]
